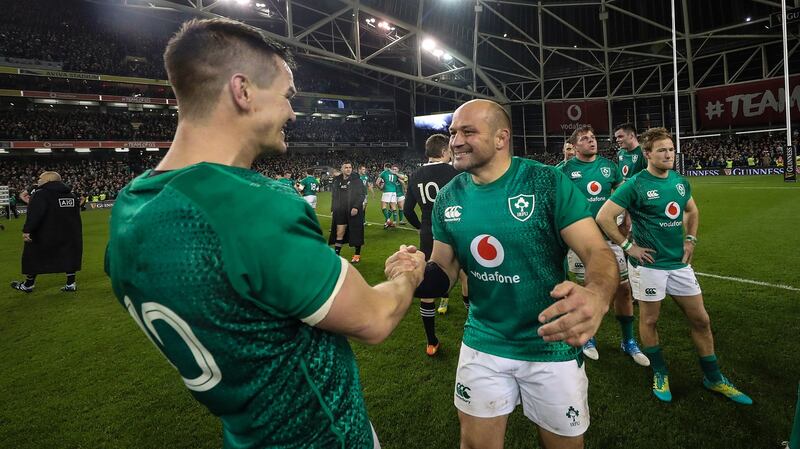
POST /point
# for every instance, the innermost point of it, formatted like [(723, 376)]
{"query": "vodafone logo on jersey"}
[(487, 251), (594, 187), (672, 210)]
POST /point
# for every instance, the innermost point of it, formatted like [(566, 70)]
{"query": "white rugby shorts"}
[(650, 284), (554, 395)]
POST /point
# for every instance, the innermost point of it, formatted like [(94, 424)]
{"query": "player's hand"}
[(406, 260), (688, 251), (353, 212), (641, 254), (26, 237), (25, 196), (579, 311)]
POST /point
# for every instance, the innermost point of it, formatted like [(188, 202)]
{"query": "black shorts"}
[(426, 242), (341, 216)]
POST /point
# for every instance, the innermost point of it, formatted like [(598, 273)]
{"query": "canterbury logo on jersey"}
[(652, 194), (575, 175), (452, 213)]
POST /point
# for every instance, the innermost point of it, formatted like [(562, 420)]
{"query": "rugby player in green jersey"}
[(569, 153), (629, 156), (596, 177), (508, 222), (661, 207), (309, 187), (250, 306), (387, 181)]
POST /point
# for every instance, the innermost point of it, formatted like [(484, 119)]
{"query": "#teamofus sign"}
[(746, 104), (565, 117)]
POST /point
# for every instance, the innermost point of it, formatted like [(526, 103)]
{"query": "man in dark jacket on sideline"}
[(52, 234), (347, 207)]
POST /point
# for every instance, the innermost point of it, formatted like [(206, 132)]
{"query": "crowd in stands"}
[(115, 124), (79, 86), (84, 124), (87, 177), (741, 151), (358, 130), (119, 41), (106, 175)]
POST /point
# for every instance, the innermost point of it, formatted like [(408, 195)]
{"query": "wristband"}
[(691, 239), (626, 245)]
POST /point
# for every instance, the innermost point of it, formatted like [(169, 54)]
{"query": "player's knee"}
[(648, 320), (701, 322)]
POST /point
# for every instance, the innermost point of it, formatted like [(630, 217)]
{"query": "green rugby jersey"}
[(506, 236), (389, 181), (631, 162), (399, 186), (310, 186), (364, 179), (560, 164), (208, 270), (286, 182), (594, 179), (656, 208)]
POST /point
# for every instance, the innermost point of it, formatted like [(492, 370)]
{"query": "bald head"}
[(48, 176), (493, 113)]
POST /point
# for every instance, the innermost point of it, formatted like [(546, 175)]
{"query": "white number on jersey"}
[(425, 192), (153, 311)]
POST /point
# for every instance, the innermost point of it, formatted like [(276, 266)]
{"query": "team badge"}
[(635, 158), (605, 171), (681, 189), (521, 206)]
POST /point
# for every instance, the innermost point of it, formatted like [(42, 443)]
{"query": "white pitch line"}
[(377, 224), (715, 276), (749, 281)]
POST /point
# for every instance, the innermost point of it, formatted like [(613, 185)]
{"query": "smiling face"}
[(473, 137), (272, 109)]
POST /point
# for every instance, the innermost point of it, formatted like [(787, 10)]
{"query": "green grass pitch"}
[(78, 373)]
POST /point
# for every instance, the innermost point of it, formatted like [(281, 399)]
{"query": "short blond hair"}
[(652, 135)]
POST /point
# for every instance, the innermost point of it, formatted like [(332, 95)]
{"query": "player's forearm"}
[(391, 300), (602, 274), (691, 221), (608, 224)]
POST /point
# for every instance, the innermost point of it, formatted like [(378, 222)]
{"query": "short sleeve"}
[(688, 189), (264, 258), (440, 233), (625, 195), (571, 205), (617, 175)]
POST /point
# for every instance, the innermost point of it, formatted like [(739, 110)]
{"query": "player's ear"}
[(501, 137), (241, 91)]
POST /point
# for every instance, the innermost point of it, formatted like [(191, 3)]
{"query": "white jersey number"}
[(425, 192), (153, 311)]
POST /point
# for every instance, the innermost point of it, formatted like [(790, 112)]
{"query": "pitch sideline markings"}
[(715, 276), (749, 281)]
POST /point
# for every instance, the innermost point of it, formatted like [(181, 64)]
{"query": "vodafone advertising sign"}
[(565, 117), (746, 104)]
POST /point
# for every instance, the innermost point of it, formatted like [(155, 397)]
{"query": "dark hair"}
[(436, 145), (203, 54), (583, 129), (627, 127), (310, 171), (653, 134)]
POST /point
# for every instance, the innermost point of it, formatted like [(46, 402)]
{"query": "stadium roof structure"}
[(522, 52)]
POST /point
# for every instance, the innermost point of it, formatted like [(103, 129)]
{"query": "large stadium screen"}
[(434, 122)]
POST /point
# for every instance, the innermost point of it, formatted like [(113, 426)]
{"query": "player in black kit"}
[(423, 186)]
